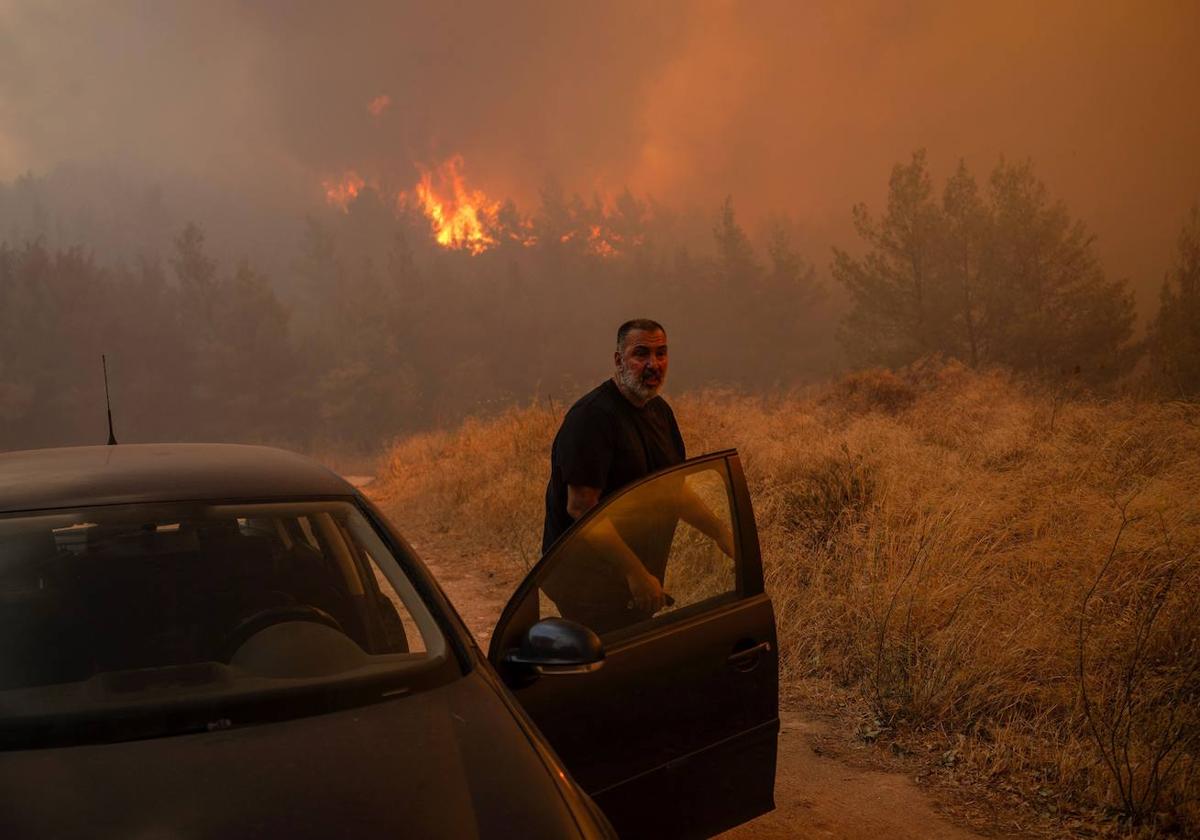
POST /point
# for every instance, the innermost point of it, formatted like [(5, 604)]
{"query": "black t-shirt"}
[(605, 441)]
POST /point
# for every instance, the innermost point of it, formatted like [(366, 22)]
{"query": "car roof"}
[(79, 476)]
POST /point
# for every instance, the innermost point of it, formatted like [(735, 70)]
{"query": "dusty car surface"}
[(219, 641)]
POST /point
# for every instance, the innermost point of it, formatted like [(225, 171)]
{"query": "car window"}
[(107, 606), (678, 527)]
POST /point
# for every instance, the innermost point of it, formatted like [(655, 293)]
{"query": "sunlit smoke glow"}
[(798, 110)]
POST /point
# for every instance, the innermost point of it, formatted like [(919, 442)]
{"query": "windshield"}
[(117, 613)]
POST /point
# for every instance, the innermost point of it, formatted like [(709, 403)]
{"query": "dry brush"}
[(1011, 567)]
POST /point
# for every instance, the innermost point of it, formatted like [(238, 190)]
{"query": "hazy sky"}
[(792, 107)]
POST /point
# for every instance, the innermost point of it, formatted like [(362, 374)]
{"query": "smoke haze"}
[(796, 109)]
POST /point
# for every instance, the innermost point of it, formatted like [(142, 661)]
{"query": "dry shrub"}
[(930, 538), (698, 570), (1139, 671), (487, 478), (831, 494), (875, 389)]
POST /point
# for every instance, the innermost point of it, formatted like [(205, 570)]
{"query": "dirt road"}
[(821, 797)]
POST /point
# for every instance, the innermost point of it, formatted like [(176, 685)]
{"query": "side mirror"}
[(558, 646)]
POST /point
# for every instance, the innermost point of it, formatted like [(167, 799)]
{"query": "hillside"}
[(1005, 577)]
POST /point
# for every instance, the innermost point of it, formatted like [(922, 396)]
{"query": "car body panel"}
[(448, 762), (82, 476)]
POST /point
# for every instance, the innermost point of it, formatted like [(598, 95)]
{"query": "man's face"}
[(642, 363)]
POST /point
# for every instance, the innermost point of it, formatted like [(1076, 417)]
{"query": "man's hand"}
[(648, 595)]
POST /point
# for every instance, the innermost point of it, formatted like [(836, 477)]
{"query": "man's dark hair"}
[(644, 324)]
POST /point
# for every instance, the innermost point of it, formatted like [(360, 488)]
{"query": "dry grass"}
[(1010, 569), (487, 476)]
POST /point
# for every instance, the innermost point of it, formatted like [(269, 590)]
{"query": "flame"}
[(461, 218), (523, 234), (340, 192), (600, 243), (378, 105), (466, 219)]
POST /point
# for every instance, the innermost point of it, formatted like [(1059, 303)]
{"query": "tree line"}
[(376, 330), (1001, 274), (373, 330)]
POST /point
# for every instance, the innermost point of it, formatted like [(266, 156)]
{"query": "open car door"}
[(670, 723)]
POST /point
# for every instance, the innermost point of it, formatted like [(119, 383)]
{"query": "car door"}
[(675, 735)]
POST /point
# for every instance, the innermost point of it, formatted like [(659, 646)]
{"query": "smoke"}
[(793, 108)]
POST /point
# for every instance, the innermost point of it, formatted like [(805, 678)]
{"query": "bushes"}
[(833, 493), (1139, 672), (487, 476), (875, 389)]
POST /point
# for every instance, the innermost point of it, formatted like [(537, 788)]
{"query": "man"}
[(614, 435)]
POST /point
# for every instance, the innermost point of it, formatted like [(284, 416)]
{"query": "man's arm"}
[(603, 536), (581, 499), (696, 513)]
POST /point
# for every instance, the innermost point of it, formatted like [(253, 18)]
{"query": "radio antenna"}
[(112, 440)]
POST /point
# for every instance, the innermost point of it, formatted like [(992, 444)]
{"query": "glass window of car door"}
[(678, 528)]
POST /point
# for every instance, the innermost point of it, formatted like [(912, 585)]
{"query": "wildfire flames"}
[(466, 219), (460, 217), (598, 244), (341, 191), (599, 241)]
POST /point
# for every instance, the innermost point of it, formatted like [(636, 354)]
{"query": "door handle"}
[(746, 658)]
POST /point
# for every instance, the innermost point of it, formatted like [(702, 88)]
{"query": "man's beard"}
[(635, 384)]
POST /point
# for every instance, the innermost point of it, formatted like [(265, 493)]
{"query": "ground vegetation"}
[(1005, 572)]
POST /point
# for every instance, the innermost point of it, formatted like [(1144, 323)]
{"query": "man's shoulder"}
[(599, 400), (591, 420)]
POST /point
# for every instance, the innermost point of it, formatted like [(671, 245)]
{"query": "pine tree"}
[(1174, 337), (1011, 279), (1050, 309), (963, 250), (897, 308), (196, 274)]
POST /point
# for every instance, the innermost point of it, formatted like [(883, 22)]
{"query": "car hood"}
[(447, 762)]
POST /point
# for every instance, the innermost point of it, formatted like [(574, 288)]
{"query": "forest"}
[(367, 328)]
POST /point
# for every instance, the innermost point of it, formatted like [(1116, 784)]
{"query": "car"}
[(217, 640)]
